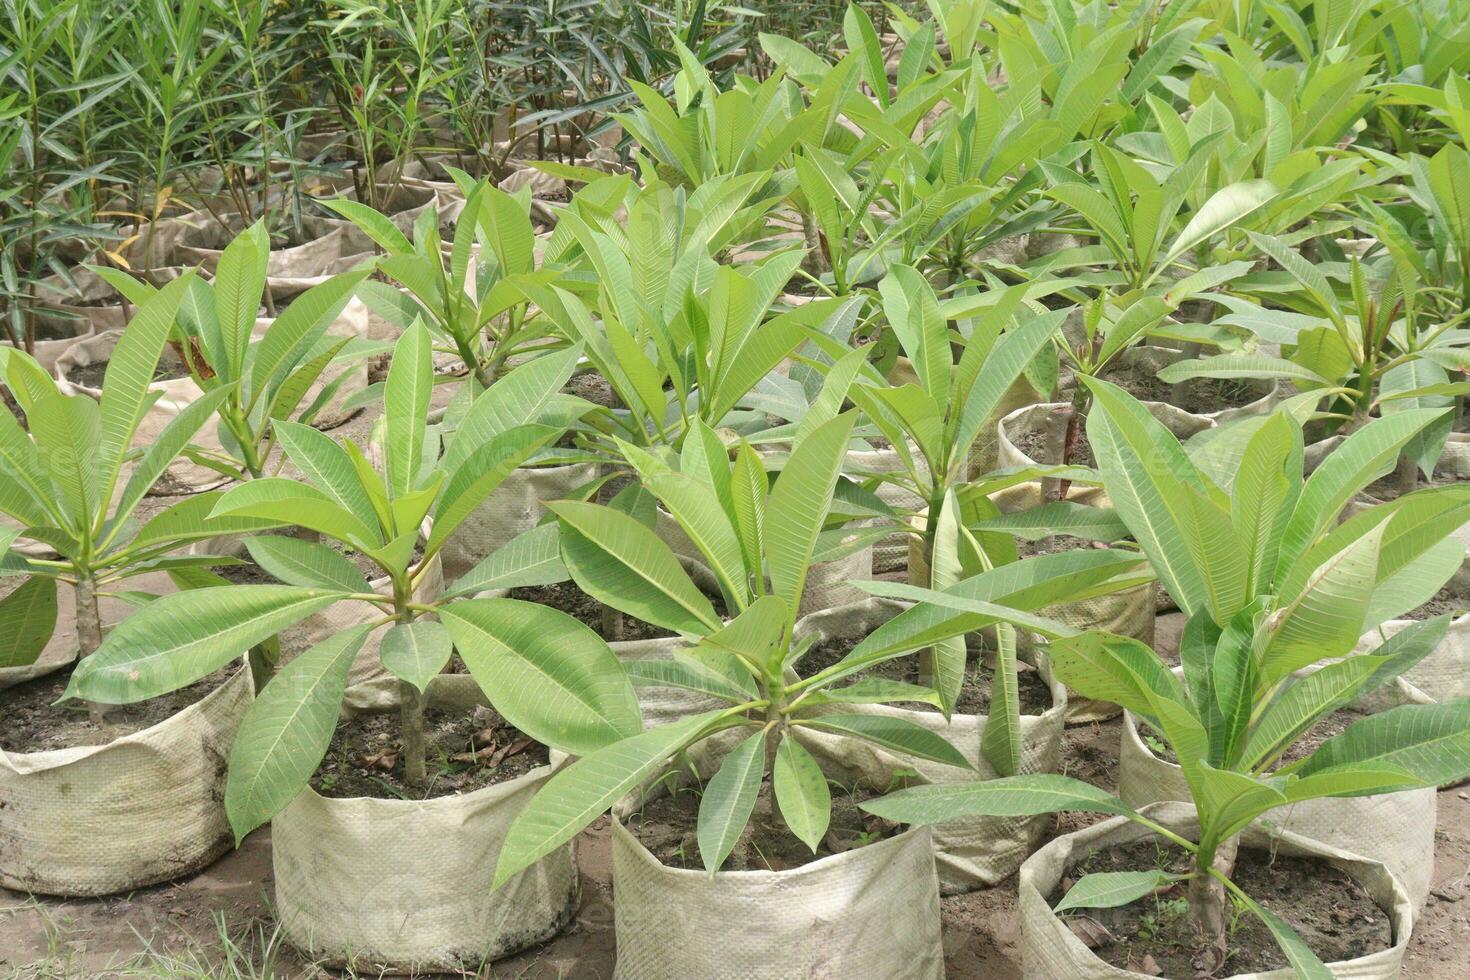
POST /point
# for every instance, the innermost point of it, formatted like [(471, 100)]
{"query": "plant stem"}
[(89, 634), (411, 721), (1208, 903)]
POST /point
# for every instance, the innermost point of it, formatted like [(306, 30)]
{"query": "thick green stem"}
[(928, 671)]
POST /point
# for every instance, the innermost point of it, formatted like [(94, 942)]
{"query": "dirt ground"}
[(218, 924)]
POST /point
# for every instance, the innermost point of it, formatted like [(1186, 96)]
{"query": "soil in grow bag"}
[(974, 697), (1033, 441), (1199, 396), (465, 751), (668, 826), (1336, 917), (30, 721), (568, 598), (91, 375), (594, 388)]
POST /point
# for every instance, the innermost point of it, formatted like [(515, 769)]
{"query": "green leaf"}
[(239, 281), (532, 557), (548, 674), (480, 474), (1111, 889), (327, 466), (27, 620), (729, 797), (801, 792), (1298, 953), (578, 794), (1429, 741), (406, 408), (286, 731), (177, 639), (892, 732), (798, 506), (376, 226), (1014, 796), (416, 651), (1000, 742), (292, 502), (1058, 517), (617, 560), (1227, 206), (306, 563)]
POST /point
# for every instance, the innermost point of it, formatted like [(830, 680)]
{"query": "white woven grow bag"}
[(144, 808), (1051, 951), (975, 852), (404, 885), (1444, 675), (872, 913)]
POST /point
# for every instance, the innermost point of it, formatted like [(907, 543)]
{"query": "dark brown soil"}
[(1197, 395), (974, 697), (1032, 442), (1330, 911), (1446, 600), (568, 598), (246, 574), (667, 827), (364, 757), (31, 722), (594, 388), (92, 375)]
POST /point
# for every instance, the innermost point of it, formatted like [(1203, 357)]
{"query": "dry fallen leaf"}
[(1092, 932)]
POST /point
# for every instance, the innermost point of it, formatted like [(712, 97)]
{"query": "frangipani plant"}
[(262, 378), (680, 338), (760, 538), (1272, 584), (474, 299), (377, 513), (72, 481)]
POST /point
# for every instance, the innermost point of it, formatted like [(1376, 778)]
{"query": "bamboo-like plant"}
[(1272, 584)]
